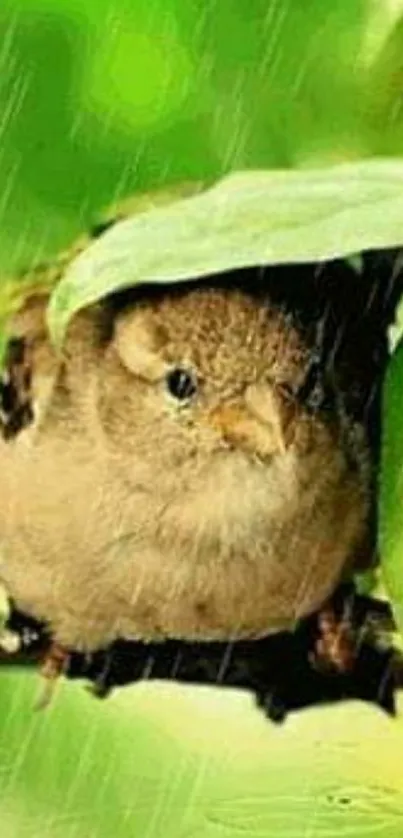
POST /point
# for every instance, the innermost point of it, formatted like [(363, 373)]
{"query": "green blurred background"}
[(99, 99)]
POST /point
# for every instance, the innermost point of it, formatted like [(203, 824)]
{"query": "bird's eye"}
[(181, 384)]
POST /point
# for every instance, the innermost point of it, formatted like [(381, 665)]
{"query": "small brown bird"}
[(183, 475)]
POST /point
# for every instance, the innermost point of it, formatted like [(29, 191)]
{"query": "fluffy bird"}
[(183, 470)]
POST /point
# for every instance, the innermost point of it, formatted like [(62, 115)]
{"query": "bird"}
[(199, 462)]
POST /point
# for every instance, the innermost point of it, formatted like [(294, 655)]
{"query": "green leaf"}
[(391, 486), (248, 218)]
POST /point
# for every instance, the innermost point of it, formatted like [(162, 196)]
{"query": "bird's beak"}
[(261, 423)]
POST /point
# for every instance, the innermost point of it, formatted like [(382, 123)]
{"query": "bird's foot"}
[(54, 664), (337, 645)]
